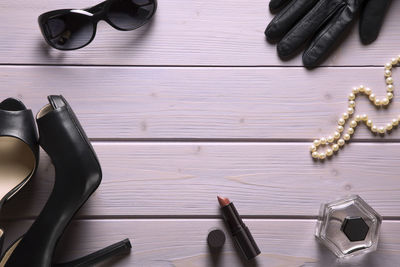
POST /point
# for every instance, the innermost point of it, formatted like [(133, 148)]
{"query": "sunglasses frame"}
[(94, 14)]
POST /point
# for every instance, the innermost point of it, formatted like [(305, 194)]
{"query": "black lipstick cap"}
[(240, 233), (216, 240)]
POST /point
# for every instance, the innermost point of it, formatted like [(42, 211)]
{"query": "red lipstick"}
[(240, 233), (223, 201)]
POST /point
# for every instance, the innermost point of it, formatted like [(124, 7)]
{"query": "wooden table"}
[(197, 104)]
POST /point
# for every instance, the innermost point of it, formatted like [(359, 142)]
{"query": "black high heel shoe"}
[(19, 149), (78, 174)]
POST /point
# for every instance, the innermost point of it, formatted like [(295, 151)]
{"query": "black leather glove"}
[(323, 21)]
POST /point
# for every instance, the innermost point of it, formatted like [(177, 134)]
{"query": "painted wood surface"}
[(204, 103), (178, 243), (265, 180), (196, 104), (196, 32)]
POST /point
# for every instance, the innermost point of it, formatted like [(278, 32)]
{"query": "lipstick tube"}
[(240, 232)]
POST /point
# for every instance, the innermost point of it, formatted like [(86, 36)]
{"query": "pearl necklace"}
[(339, 138)]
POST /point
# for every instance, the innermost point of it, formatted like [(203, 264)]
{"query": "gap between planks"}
[(183, 66), (227, 140), (190, 217)]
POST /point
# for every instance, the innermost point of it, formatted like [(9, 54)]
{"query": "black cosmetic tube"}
[(240, 233)]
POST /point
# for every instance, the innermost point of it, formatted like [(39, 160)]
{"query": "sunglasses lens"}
[(68, 31), (130, 14)]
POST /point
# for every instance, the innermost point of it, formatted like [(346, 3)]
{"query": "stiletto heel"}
[(78, 174), (123, 246), (19, 149)]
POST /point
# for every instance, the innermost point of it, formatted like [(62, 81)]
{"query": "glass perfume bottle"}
[(348, 227)]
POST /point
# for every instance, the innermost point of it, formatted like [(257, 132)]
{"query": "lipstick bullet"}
[(240, 233)]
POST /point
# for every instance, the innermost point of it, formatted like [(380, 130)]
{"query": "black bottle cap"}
[(216, 239), (355, 228)]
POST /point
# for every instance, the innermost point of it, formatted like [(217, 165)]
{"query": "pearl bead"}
[(385, 101), (389, 127), (381, 130), (353, 124), (374, 129), (340, 129), (315, 155), (368, 91), (350, 131), (323, 141), (364, 117), (389, 95), (358, 118), (346, 137), (388, 73), (352, 96), (395, 122), (355, 90), (322, 156), (361, 89), (388, 66), (390, 88), (317, 142), (313, 148), (329, 152), (336, 135), (330, 139), (372, 97), (377, 102), (345, 116), (341, 121), (369, 123), (341, 142), (352, 104), (394, 61), (389, 80), (350, 110), (335, 147)]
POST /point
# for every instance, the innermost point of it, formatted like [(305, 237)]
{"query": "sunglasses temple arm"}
[(96, 8), (99, 7)]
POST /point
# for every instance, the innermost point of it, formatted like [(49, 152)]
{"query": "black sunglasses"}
[(69, 29)]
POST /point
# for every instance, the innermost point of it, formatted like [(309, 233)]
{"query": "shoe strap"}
[(20, 124)]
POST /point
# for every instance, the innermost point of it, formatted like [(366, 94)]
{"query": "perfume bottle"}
[(348, 227)]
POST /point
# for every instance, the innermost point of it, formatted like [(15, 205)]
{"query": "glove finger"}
[(371, 19), (276, 4), (327, 37), (287, 18), (308, 26)]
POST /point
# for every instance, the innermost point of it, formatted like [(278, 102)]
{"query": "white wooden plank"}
[(182, 243), (182, 33), (246, 103), (263, 179)]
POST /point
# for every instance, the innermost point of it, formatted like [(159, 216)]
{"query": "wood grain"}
[(182, 33), (195, 104), (203, 103), (263, 179), (182, 243)]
